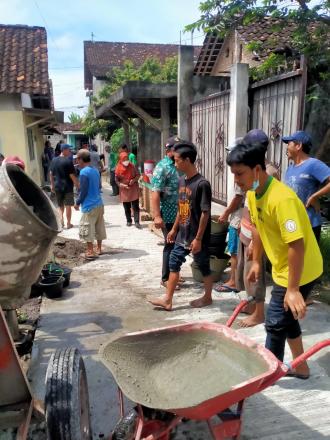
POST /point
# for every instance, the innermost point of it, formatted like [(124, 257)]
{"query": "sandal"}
[(90, 256), (293, 373), (69, 226), (225, 288), (98, 251)]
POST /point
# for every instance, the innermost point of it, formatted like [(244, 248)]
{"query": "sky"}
[(69, 23)]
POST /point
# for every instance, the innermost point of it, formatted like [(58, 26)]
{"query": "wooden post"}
[(165, 119), (126, 133)]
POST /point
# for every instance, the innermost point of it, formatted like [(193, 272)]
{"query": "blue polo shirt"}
[(90, 191), (305, 179)]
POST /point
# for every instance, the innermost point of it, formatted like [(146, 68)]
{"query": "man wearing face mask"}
[(283, 231), (127, 178), (164, 199)]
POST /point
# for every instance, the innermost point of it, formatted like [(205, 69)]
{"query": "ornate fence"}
[(276, 107), (210, 118)]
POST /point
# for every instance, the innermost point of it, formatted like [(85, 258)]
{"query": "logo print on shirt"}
[(184, 204), (290, 226)]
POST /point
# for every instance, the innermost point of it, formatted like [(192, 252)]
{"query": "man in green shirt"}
[(113, 160)]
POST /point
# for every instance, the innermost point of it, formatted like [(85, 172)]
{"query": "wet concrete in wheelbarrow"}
[(106, 300), (180, 369)]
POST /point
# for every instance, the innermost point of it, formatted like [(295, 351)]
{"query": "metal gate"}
[(210, 119), (277, 108)]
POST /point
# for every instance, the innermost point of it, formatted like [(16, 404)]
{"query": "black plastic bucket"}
[(52, 286), (50, 269)]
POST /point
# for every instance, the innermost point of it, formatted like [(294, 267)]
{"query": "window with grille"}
[(30, 144)]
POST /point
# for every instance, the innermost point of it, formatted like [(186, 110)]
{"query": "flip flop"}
[(292, 373), (225, 288)]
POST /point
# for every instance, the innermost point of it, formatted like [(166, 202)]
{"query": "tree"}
[(151, 70), (74, 118), (310, 22), (92, 126)]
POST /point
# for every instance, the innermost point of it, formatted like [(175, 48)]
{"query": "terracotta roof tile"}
[(101, 56), (23, 60)]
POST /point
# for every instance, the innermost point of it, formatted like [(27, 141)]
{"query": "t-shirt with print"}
[(195, 197), (165, 180), (61, 167), (305, 179), (281, 218)]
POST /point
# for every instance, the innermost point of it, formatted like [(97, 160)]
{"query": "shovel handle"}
[(238, 308), (308, 353)]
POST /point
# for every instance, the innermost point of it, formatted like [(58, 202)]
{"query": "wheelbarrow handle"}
[(239, 307), (308, 353)]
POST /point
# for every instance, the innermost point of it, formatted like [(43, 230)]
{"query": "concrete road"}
[(106, 299)]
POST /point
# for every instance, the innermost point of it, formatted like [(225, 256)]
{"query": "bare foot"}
[(98, 251), (161, 301), (251, 321), (201, 302), (249, 309)]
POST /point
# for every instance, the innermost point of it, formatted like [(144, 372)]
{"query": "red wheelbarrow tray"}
[(194, 370)]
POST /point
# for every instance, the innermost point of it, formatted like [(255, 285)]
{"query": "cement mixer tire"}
[(125, 428), (66, 400)]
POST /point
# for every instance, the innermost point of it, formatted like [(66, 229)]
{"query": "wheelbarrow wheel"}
[(125, 428), (66, 400)]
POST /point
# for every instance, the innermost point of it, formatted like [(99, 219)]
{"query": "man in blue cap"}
[(308, 177), (62, 178)]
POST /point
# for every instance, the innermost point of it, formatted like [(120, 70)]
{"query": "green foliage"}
[(92, 126), (325, 250), (117, 139), (74, 118), (151, 70), (272, 66)]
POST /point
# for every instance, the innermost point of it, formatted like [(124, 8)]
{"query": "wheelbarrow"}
[(200, 371)]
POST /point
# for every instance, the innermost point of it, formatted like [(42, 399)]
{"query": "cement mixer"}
[(28, 226)]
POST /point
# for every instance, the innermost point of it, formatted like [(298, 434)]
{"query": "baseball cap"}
[(300, 137), (65, 147), (255, 136), (171, 142), (234, 144)]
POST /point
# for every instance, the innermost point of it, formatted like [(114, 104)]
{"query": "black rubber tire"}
[(66, 400), (125, 428)]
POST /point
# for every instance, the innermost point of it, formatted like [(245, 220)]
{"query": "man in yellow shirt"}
[(282, 229)]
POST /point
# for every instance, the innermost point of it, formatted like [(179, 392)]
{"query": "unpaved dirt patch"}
[(68, 252)]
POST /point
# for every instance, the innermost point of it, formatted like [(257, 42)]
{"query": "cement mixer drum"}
[(28, 226)]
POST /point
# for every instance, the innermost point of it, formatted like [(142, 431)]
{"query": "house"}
[(101, 56), (72, 134), (26, 103), (250, 44)]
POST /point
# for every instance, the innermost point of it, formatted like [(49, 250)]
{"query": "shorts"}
[(178, 257), (232, 246), (91, 226), (280, 324), (64, 199), (258, 289)]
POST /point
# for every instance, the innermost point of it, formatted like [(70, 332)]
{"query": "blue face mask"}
[(255, 184)]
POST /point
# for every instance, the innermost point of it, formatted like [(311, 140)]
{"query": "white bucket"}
[(149, 166)]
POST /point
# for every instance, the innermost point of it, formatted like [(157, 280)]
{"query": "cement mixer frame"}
[(66, 393)]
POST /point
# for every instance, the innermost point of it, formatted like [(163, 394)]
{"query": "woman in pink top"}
[(127, 178)]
